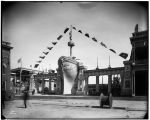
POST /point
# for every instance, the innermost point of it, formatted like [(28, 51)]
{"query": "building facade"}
[(6, 73), (139, 63)]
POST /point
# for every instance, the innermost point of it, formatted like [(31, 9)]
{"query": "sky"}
[(31, 27)]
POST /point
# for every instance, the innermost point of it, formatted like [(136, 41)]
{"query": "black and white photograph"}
[(74, 60)]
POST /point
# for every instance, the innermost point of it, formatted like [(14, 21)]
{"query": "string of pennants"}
[(50, 48), (122, 54)]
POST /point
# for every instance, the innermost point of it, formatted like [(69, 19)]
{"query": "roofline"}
[(28, 69)]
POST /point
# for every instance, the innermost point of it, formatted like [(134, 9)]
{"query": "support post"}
[(86, 85), (109, 83), (43, 86), (97, 84), (133, 84), (49, 84)]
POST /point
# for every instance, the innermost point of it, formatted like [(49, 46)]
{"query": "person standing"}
[(26, 95)]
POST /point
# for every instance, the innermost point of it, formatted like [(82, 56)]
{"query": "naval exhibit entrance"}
[(72, 76)]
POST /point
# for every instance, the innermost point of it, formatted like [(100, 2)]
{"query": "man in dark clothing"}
[(26, 95)]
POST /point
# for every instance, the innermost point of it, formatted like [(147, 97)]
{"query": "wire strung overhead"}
[(50, 48), (122, 54)]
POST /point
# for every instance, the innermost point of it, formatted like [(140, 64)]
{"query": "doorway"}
[(141, 83)]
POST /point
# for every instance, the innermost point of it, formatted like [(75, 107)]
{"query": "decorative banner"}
[(94, 39), (74, 28), (87, 35), (38, 61), (66, 30), (54, 43), (49, 48), (80, 31), (45, 53), (112, 50), (123, 55), (59, 37), (103, 44), (42, 57), (36, 65)]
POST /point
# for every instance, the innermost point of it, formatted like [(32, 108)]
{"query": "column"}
[(133, 84), (86, 85), (43, 86), (82, 85), (97, 84), (49, 84), (79, 82), (109, 83)]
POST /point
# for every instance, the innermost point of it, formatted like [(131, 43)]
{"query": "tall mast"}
[(109, 63), (71, 43), (97, 62)]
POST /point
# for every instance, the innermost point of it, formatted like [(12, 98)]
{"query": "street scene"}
[(75, 107), (74, 60)]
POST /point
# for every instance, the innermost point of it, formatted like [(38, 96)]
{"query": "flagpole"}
[(20, 71)]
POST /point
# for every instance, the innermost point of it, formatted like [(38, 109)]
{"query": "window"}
[(141, 53)]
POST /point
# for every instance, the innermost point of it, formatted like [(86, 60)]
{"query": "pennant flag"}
[(112, 50), (49, 48), (103, 44), (54, 43), (36, 65), (74, 28), (38, 61), (45, 53), (123, 55), (80, 31), (94, 39), (59, 37), (66, 30), (87, 35), (19, 60), (42, 57)]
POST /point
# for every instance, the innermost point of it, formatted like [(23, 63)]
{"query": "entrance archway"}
[(141, 83)]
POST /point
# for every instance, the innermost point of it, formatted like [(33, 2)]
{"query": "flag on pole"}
[(123, 55)]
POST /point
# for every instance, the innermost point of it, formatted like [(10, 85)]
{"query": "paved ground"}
[(74, 108)]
